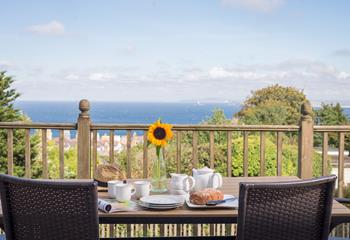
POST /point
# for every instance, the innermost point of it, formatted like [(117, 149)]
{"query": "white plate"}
[(229, 204), (162, 200), (164, 207), (157, 205)]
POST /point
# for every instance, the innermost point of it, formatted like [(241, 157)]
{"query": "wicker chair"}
[(299, 210), (43, 209)]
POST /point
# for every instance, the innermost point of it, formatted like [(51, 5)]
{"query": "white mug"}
[(111, 188), (124, 192), (142, 189)]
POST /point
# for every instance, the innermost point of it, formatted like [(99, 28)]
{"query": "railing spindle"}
[(145, 155), (262, 153), (228, 229), (28, 172), (211, 147), (325, 154), (229, 153), (94, 151), (195, 229), (161, 229), (111, 230), (144, 230), (341, 164), (178, 151), (10, 151), (44, 153), (212, 229), (128, 230), (61, 153), (245, 154), (128, 154), (195, 149), (279, 153), (178, 230), (111, 146)]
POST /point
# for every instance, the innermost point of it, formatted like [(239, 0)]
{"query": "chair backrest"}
[(295, 210), (46, 209)]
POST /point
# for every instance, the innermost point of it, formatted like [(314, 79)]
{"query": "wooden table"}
[(185, 215)]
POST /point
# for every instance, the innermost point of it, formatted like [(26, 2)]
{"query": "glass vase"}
[(159, 181)]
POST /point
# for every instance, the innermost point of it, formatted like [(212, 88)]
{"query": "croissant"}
[(203, 196)]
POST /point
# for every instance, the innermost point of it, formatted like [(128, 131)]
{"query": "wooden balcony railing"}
[(87, 153)]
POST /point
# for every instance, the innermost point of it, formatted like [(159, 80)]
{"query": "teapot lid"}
[(205, 170)]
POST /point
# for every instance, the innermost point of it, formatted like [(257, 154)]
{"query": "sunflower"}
[(159, 133)]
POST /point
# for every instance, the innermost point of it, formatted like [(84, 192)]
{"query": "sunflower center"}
[(159, 133)]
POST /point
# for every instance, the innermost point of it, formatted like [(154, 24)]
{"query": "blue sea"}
[(127, 112), (123, 112)]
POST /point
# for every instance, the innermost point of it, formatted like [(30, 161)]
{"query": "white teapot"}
[(206, 178)]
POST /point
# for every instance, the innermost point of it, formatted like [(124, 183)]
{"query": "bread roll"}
[(203, 196)]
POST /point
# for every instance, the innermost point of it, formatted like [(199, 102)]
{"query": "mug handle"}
[(191, 181), (218, 175), (133, 191)]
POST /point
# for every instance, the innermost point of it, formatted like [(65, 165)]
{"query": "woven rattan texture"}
[(54, 211), (293, 212)]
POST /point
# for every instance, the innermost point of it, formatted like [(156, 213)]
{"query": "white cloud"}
[(295, 72), (344, 52), (344, 75), (100, 76), (5, 64), (52, 28), (72, 76), (255, 5), (320, 81), (220, 72)]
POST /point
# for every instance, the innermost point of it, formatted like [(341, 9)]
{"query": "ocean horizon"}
[(128, 112), (125, 112)]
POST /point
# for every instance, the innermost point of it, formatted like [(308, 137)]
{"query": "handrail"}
[(38, 125), (183, 127), (179, 127), (343, 128), (282, 128)]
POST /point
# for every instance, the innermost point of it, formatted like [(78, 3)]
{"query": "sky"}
[(170, 51)]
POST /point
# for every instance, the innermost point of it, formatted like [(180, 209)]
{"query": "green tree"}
[(276, 105), (8, 113), (331, 114)]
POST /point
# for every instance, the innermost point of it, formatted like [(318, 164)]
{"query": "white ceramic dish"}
[(160, 207), (229, 204), (162, 200)]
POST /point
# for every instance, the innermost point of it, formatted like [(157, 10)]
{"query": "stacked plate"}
[(161, 202)]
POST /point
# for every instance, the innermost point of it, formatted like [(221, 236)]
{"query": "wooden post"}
[(84, 140), (306, 141)]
